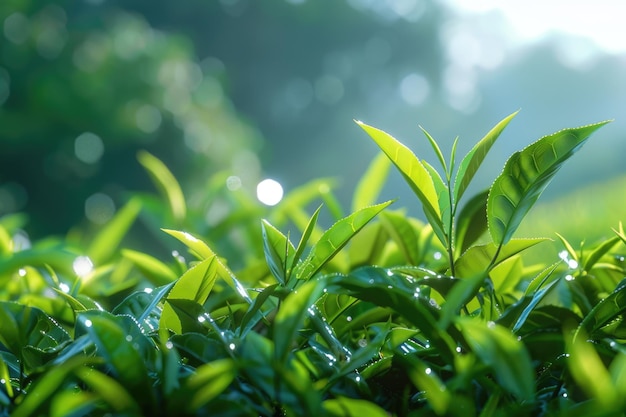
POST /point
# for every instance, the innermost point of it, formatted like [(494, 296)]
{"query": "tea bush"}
[(379, 314)]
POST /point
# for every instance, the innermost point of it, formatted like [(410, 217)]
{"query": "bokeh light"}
[(269, 192)]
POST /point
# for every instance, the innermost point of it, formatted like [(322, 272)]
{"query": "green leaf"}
[(210, 380), (304, 239), (195, 285), (121, 351), (109, 390), (384, 288), (335, 238), (45, 387), (405, 233), (279, 251), (589, 372), (371, 183), (427, 381), (605, 311), (525, 175), (474, 158), (599, 252), (479, 259), (291, 314), (349, 407), (471, 222), (107, 241), (202, 251), (436, 148), (166, 183), (156, 271), (443, 195), (415, 174), (507, 357)]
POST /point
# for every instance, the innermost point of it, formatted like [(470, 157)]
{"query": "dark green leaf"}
[(471, 222), (507, 357)]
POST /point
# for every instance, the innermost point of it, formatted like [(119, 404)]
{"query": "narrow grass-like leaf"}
[(414, 173), (443, 197), (371, 183), (474, 158), (166, 183), (525, 175), (336, 238), (107, 241), (507, 357), (436, 148), (156, 271), (291, 314), (279, 251), (471, 222), (304, 239), (568, 247), (195, 285)]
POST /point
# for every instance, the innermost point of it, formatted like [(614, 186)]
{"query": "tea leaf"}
[(471, 222), (526, 174), (349, 407), (279, 252), (195, 285), (166, 183), (291, 314), (107, 241), (507, 357), (156, 271), (336, 238), (415, 174), (474, 158), (210, 380), (369, 186)]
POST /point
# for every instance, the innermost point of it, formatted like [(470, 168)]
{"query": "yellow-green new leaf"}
[(474, 158), (195, 284), (369, 187), (166, 183), (415, 174)]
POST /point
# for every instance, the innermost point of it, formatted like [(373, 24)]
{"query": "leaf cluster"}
[(378, 314)]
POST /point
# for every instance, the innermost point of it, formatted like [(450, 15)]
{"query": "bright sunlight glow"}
[(269, 192), (600, 21)]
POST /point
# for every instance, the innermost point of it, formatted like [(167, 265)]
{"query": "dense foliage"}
[(379, 314)]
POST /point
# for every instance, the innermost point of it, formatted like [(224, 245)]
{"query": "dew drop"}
[(232, 346), (428, 371), (458, 349), (169, 344), (21, 272), (437, 256), (129, 338), (64, 287), (201, 319), (569, 277), (349, 318), (88, 323), (362, 343), (148, 290)]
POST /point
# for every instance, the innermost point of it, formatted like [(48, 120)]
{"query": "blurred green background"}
[(260, 88)]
